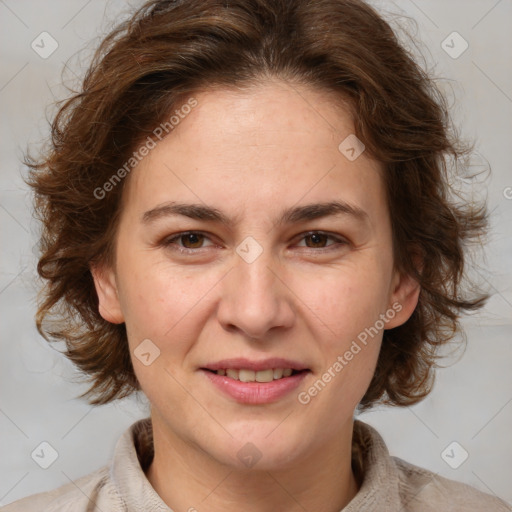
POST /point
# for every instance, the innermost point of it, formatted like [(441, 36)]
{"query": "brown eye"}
[(318, 240), (186, 242), (194, 239)]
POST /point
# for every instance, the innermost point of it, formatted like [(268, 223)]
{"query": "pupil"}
[(190, 238), (317, 238)]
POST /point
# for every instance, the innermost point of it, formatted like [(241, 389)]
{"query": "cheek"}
[(159, 300), (344, 300)]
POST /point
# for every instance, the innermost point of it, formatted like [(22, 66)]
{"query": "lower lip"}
[(256, 392)]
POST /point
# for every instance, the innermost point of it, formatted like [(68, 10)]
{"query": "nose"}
[(256, 298)]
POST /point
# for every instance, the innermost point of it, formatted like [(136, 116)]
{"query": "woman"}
[(246, 216)]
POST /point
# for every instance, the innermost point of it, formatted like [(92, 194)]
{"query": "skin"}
[(253, 153)]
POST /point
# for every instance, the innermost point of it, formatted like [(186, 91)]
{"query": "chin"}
[(265, 448)]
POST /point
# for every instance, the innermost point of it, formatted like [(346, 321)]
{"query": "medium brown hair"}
[(168, 50)]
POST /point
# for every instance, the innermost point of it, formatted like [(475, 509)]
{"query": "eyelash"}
[(169, 241)]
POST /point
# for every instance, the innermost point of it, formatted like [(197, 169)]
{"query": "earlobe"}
[(406, 293), (106, 289)]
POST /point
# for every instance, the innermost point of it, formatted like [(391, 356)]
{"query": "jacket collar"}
[(370, 457)]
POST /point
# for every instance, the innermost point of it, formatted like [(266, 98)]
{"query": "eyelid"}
[(168, 241), (338, 238)]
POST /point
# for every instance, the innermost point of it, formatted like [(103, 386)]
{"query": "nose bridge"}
[(256, 274), (254, 298)]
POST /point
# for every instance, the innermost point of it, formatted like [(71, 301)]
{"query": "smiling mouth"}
[(245, 375)]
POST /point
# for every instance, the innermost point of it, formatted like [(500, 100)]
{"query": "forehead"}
[(244, 150)]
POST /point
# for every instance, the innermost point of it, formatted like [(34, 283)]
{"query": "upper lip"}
[(264, 364)]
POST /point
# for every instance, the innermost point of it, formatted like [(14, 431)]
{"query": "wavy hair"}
[(165, 51)]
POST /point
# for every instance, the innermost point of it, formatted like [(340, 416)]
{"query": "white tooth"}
[(246, 375), (265, 375), (232, 373), (221, 372), (278, 373), (287, 372)]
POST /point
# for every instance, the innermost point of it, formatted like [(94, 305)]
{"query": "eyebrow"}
[(292, 215)]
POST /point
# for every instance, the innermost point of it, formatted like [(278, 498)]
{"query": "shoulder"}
[(425, 491), (75, 496), (110, 487), (392, 484)]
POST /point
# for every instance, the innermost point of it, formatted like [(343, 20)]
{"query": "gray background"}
[(472, 399)]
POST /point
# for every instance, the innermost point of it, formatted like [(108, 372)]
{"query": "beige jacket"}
[(389, 483)]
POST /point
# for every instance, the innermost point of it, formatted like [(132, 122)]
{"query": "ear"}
[(106, 289), (403, 299)]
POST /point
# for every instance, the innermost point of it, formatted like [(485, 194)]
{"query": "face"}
[(253, 279)]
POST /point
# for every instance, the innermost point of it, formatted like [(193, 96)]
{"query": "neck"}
[(187, 478)]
